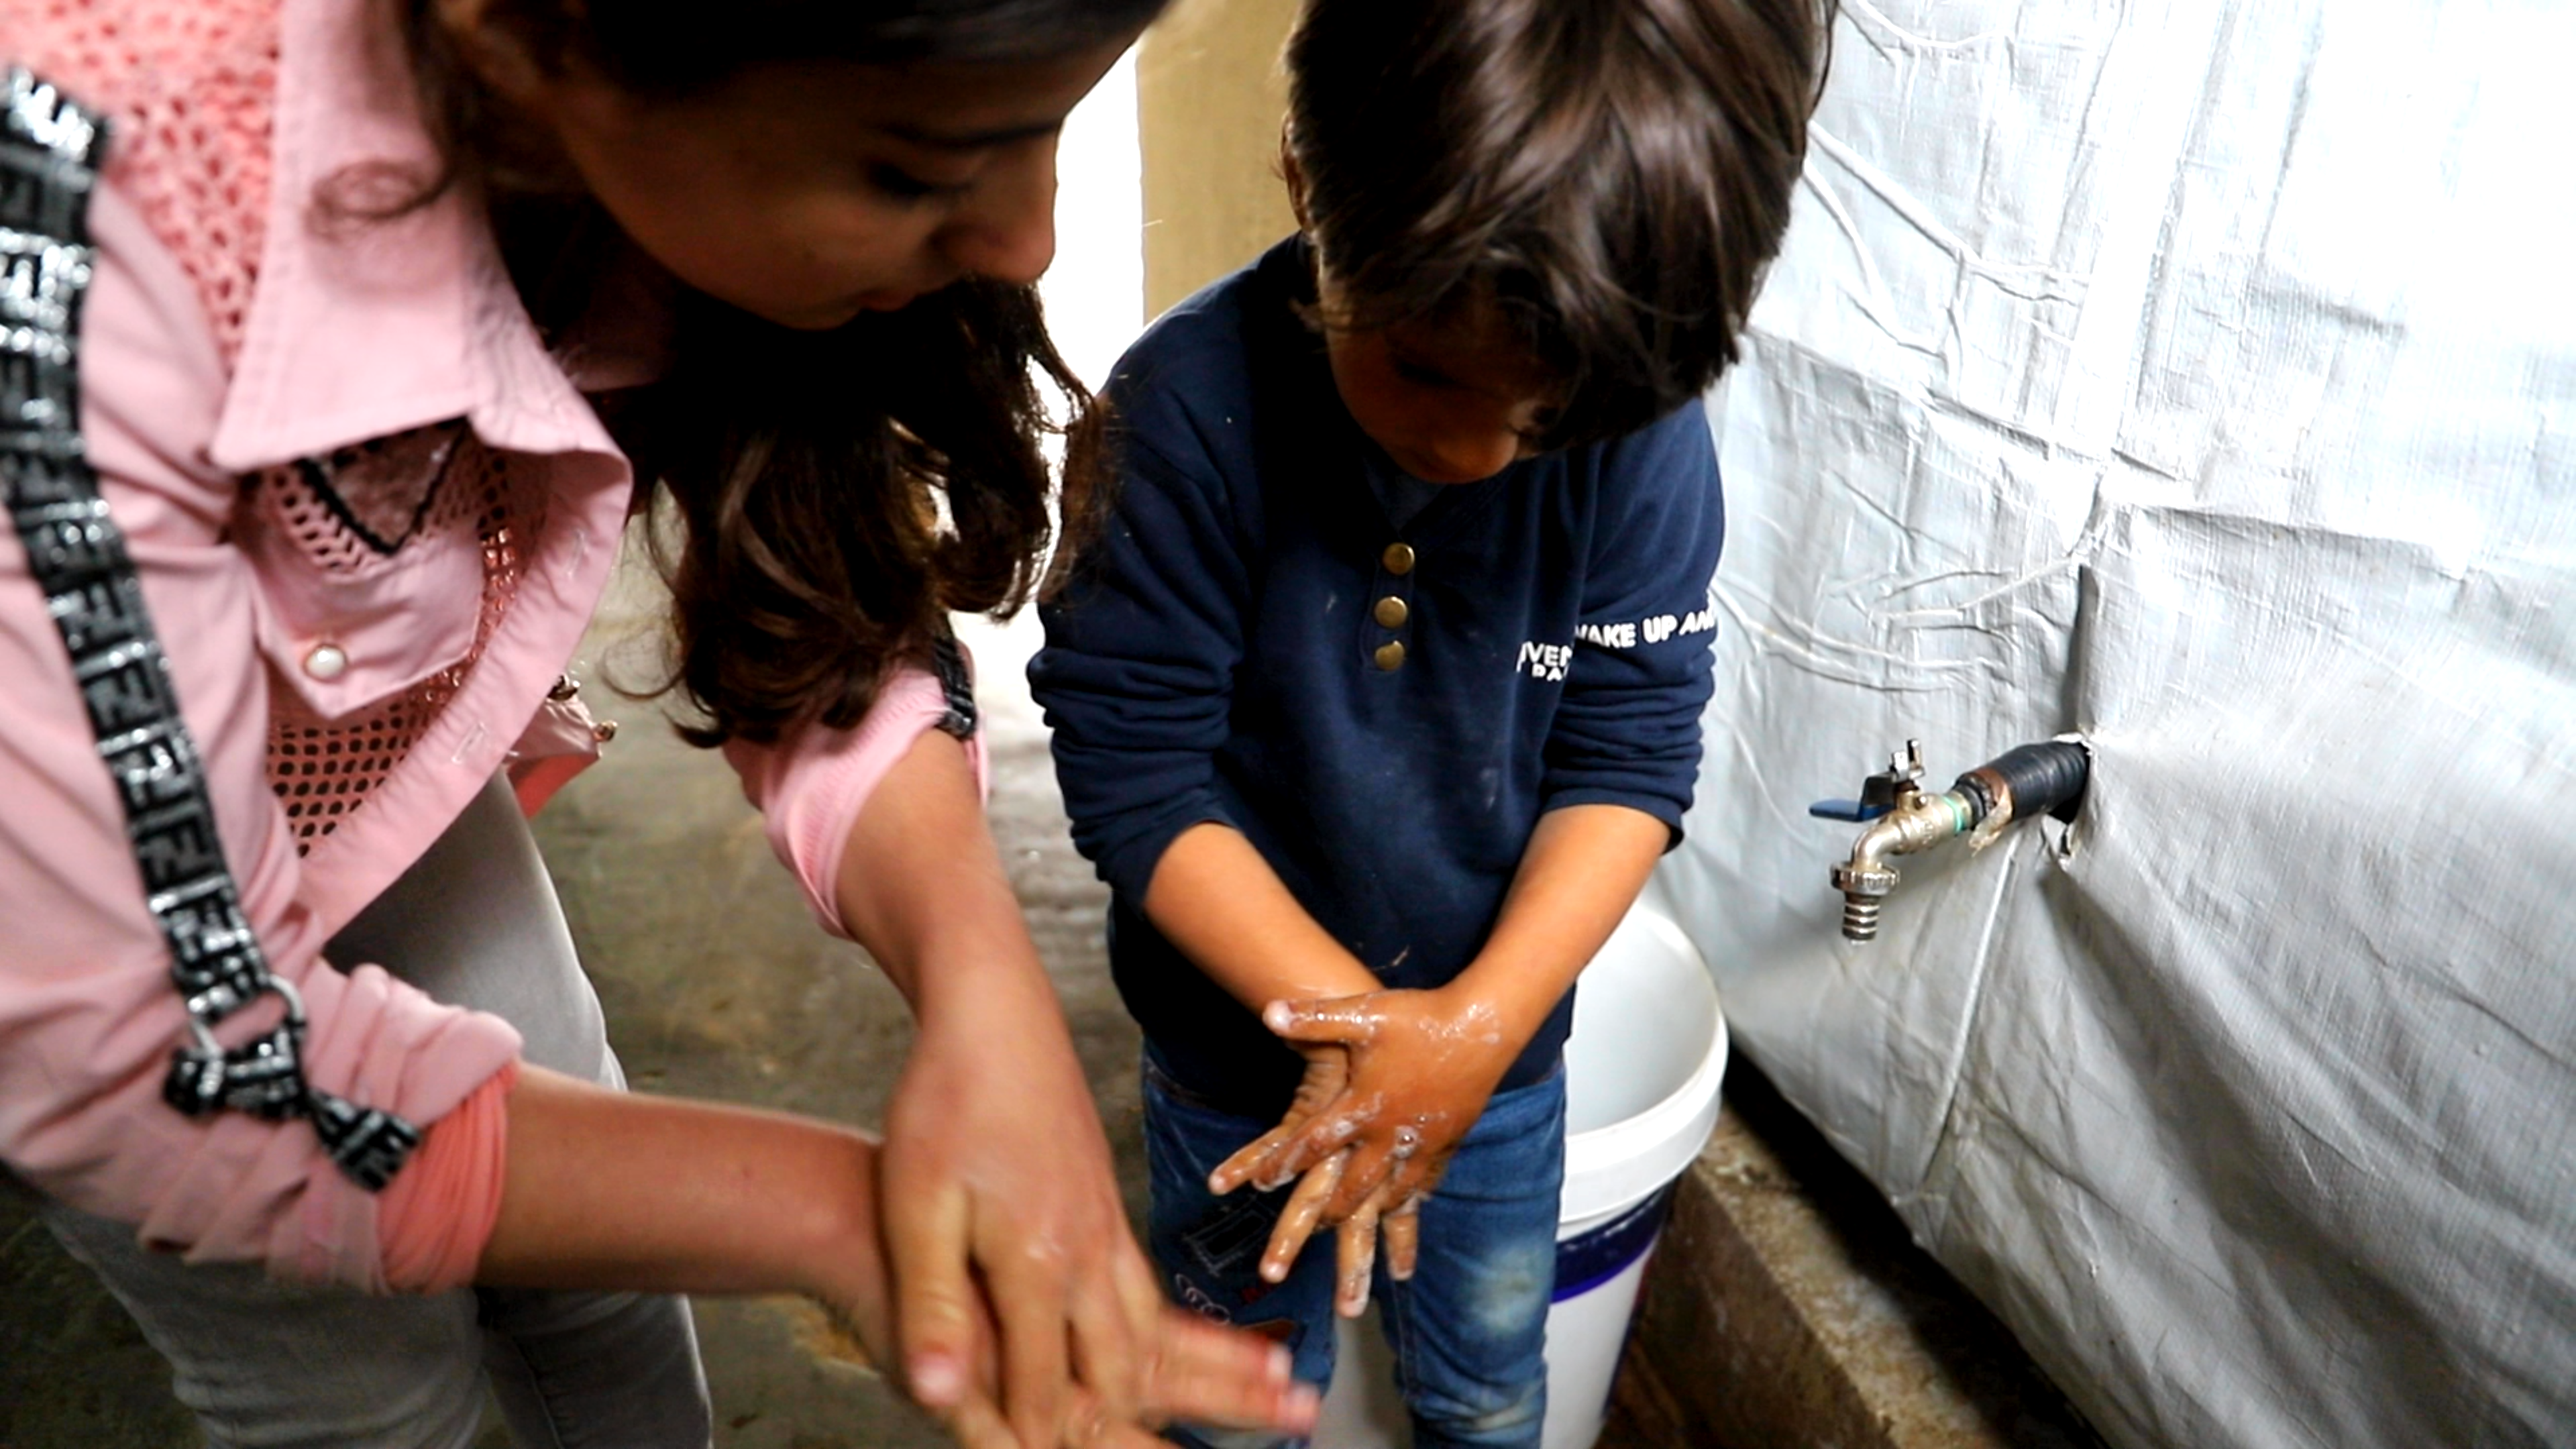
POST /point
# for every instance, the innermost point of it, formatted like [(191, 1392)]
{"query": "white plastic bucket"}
[(1642, 1073)]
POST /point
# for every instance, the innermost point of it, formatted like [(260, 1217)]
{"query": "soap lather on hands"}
[(1394, 1080)]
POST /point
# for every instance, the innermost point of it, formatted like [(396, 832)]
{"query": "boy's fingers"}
[(1323, 1135), (1249, 1163), (1350, 1020), (1297, 1220), (1294, 1147), (1414, 1178), (1365, 1174), (1402, 1230), (935, 1302), (1271, 1159), (1356, 1260), (1322, 1118)]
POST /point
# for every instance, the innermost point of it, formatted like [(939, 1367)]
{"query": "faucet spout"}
[(1919, 822)]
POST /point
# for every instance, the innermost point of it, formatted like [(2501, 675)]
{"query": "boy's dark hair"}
[(837, 493), (1614, 173)]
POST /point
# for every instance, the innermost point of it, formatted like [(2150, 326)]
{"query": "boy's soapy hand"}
[(1421, 1066), (1424, 1063), (1265, 1162)]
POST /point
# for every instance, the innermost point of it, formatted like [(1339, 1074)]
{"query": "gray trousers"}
[(262, 1364)]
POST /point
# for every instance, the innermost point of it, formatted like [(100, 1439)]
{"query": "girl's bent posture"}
[(332, 329)]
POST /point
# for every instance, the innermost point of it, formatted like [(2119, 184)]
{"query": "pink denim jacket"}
[(216, 384)]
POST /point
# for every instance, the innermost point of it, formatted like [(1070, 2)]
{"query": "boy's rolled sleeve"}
[(1627, 730), (1136, 678)]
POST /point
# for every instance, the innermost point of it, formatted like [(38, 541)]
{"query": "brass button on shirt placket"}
[(1391, 611)]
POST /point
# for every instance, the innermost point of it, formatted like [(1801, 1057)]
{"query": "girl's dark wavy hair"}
[(1616, 174), (838, 493)]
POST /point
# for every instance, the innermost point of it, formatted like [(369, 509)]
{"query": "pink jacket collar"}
[(365, 329)]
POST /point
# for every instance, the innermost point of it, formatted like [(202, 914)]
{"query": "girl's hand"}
[(1422, 1065), (1193, 1371), (612, 1190), (997, 1191), (1189, 1368), (1204, 1374)]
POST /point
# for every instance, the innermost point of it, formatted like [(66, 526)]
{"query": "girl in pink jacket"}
[(328, 329)]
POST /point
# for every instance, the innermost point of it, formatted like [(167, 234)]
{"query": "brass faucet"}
[(1906, 819)]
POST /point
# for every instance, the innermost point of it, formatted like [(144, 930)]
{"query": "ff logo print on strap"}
[(50, 151)]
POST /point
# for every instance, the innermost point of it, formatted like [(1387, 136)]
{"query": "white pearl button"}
[(326, 662)]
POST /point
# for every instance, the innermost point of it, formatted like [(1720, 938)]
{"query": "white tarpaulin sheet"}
[(2201, 377)]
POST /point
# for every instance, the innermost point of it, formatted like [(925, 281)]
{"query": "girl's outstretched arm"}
[(996, 1174), (608, 1189), (613, 1190)]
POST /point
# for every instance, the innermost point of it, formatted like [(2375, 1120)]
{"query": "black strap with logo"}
[(50, 152), (956, 686)]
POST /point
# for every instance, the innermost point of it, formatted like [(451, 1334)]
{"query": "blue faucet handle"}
[(1852, 810)]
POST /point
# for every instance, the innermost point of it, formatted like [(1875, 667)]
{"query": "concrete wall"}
[(1095, 292), (1210, 96)]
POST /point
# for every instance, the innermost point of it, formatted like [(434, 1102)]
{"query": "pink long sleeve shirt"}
[(372, 515)]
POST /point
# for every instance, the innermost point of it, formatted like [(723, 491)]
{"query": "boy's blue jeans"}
[(1469, 1329)]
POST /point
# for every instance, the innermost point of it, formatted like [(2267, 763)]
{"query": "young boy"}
[(1381, 695)]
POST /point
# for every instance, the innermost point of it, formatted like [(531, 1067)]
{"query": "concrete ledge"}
[(1787, 1306)]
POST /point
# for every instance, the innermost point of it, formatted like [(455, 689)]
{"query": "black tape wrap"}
[(2046, 778)]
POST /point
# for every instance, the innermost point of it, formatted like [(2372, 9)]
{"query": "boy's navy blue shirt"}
[(1223, 655)]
